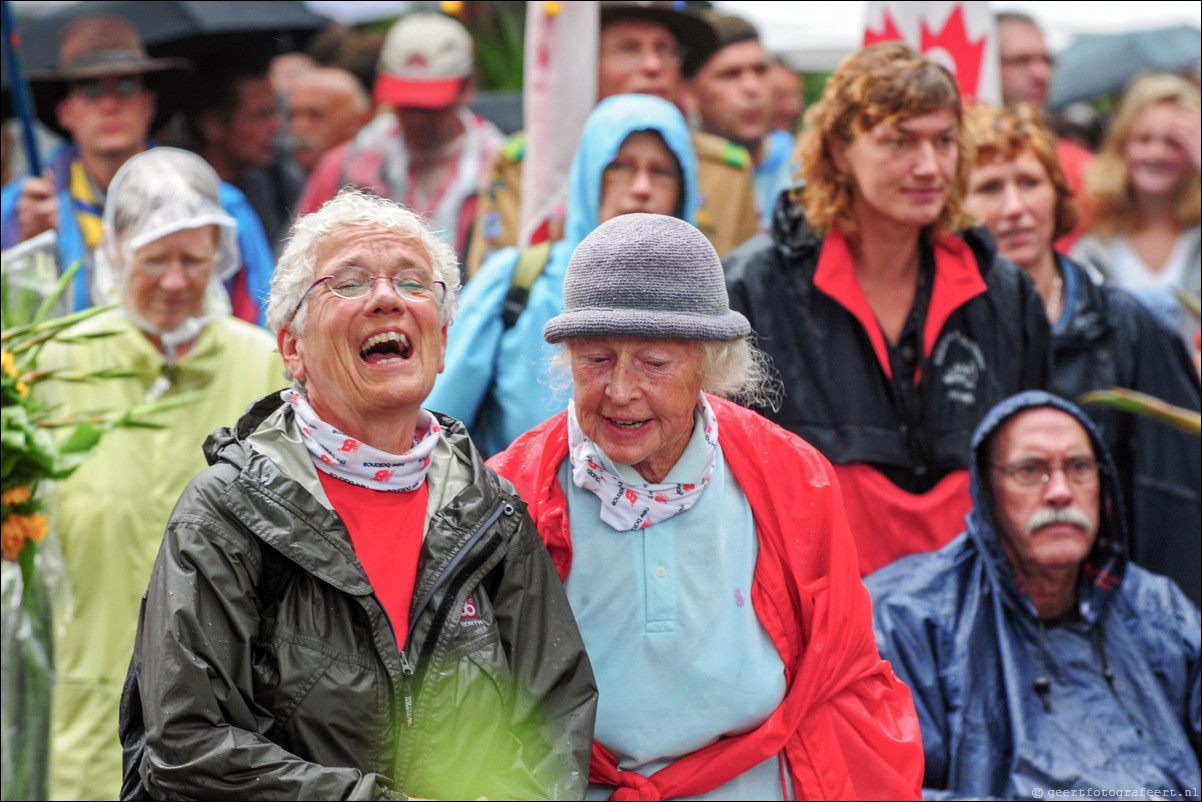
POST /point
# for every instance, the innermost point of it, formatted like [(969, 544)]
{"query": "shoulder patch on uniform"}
[(736, 155), (515, 147)]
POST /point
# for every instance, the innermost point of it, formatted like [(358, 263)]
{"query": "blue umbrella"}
[(1098, 64), (18, 87)]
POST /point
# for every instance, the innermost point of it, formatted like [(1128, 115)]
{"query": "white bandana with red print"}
[(354, 461), (625, 506)]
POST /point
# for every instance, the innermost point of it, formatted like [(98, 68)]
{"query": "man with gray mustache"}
[(1040, 659)]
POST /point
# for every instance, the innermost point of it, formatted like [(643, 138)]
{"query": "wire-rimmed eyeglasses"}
[(1030, 472), (352, 282)]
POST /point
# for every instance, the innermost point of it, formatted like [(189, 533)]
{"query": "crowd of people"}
[(756, 474)]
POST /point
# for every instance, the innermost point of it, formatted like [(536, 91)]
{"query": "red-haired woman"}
[(893, 324)]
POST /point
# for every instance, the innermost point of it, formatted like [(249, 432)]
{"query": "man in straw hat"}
[(105, 95)]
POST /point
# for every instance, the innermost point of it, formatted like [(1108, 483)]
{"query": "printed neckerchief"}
[(88, 208), (624, 506), (354, 461)]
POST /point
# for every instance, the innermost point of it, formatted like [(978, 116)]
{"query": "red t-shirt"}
[(386, 531)]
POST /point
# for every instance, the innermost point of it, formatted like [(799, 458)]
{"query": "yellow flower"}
[(451, 7), (15, 495), (17, 530), (22, 389), (8, 364), (551, 7)]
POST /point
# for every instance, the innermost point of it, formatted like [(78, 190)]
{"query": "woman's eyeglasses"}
[(354, 282)]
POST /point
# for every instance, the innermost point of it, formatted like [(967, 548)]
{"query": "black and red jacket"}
[(985, 337)]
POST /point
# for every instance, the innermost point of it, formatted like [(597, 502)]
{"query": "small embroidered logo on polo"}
[(740, 599)]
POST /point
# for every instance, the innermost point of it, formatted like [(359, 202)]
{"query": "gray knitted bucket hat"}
[(646, 275)]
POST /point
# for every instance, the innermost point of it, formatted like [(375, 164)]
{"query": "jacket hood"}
[(1106, 563), (614, 119)]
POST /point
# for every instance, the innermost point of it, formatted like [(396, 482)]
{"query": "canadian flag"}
[(558, 93), (960, 35)]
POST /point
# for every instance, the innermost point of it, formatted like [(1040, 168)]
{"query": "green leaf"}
[(60, 287), (1148, 406), (1191, 301), (26, 560), (83, 438), (67, 463), (21, 338)]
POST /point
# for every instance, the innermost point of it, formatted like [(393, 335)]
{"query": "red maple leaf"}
[(954, 40), (888, 32)]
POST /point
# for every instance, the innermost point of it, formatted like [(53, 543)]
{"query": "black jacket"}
[(837, 395), (1108, 339), (308, 696)]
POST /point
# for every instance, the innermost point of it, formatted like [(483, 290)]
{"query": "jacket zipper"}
[(407, 667)]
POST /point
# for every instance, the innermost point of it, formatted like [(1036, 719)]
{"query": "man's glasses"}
[(354, 282), (123, 88), (630, 55), (1030, 472)]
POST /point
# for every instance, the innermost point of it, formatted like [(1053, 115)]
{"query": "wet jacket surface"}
[(1110, 339), (985, 337), (309, 696), (970, 645), (846, 727), (497, 380)]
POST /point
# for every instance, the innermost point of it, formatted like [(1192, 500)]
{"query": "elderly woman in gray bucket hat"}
[(705, 550)]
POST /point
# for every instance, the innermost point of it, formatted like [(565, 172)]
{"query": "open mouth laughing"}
[(385, 348)]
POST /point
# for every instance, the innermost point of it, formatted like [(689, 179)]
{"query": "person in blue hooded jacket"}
[(1041, 659), (634, 156)]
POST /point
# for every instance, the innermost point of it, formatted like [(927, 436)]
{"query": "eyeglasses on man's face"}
[(96, 88), (1030, 472)]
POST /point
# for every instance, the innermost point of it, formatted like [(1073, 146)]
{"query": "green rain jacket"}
[(110, 514), (308, 696)]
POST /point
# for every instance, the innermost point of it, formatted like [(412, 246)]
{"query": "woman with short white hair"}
[(348, 603)]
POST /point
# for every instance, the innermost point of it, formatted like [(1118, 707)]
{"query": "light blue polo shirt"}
[(666, 614)]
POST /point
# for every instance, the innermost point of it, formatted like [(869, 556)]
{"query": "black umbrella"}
[(1097, 64), (188, 28)]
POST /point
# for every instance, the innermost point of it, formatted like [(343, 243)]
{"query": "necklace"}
[(1056, 300)]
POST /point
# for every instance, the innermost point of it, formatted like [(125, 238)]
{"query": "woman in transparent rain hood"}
[(166, 247)]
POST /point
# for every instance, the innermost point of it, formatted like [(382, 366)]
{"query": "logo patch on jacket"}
[(470, 616), (960, 363)]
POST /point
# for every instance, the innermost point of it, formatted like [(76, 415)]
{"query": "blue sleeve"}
[(9, 229), (474, 340), (258, 261), (1168, 627), (905, 636)]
